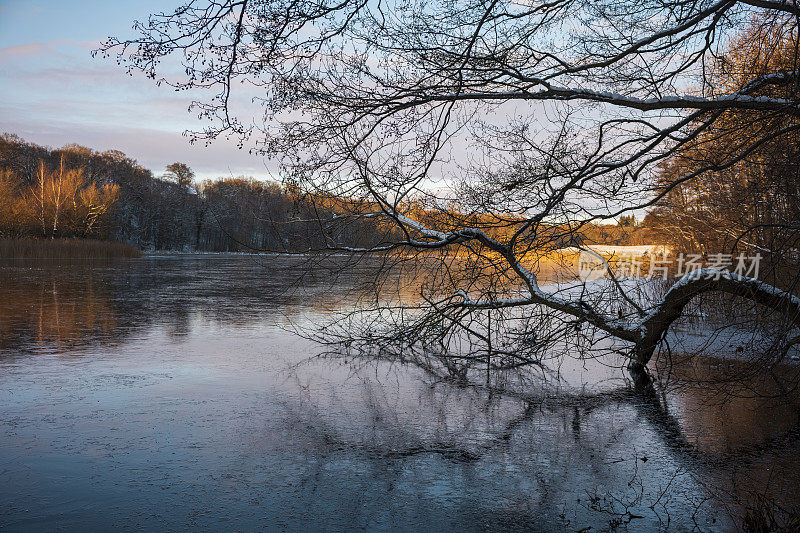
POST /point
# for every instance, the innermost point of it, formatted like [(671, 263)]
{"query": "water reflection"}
[(193, 407), (42, 310), (65, 306), (726, 416)]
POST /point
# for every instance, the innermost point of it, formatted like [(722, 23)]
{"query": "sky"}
[(53, 92)]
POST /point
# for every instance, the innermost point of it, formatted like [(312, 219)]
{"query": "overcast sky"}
[(52, 91)]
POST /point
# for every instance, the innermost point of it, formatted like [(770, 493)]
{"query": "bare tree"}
[(491, 131), (64, 200)]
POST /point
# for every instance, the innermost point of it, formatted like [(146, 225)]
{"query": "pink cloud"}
[(28, 49)]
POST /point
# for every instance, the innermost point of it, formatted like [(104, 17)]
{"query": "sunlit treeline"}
[(753, 203), (540, 238), (59, 202), (75, 191)]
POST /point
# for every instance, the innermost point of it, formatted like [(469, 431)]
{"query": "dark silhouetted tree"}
[(381, 102), (180, 173)]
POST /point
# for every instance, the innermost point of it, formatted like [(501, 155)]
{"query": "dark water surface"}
[(166, 393)]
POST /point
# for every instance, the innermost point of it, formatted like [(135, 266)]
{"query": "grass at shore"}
[(64, 249)]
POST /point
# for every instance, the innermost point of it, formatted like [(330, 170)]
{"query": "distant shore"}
[(26, 248)]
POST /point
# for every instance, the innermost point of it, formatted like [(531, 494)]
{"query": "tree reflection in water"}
[(197, 349)]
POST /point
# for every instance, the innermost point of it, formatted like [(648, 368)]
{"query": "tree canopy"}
[(180, 173)]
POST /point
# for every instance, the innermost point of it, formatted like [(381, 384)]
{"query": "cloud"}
[(63, 81), (55, 93), (24, 50), (153, 149)]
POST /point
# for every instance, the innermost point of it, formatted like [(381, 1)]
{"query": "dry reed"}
[(64, 249)]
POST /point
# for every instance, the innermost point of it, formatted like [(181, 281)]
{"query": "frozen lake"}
[(169, 393)]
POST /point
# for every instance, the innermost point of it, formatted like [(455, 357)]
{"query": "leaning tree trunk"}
[(655, 324)]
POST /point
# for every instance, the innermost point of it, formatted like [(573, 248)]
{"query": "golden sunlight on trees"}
[(61, 202), (231, 214), (746, 203)]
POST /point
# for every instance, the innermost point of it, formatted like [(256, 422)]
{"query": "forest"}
[(78, 192)]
